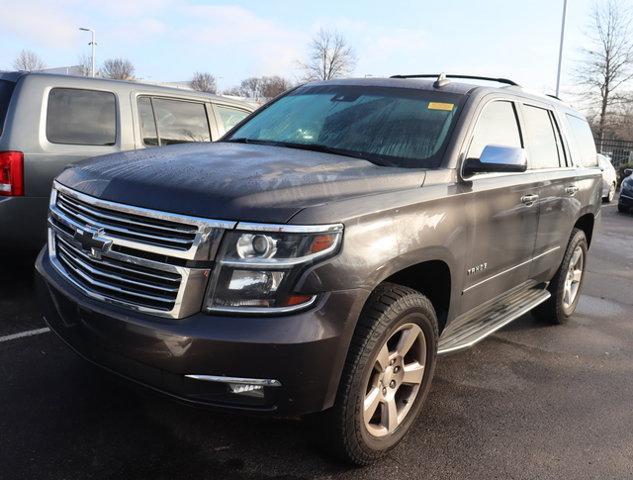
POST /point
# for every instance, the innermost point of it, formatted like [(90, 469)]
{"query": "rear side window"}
[(180, 121), (6, 90), (148, 124), (540, 138), (81, 117), (583, 139), (230, 116), (497, 125)]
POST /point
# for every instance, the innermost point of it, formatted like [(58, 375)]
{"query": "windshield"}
[(6, 90), (390, 126)]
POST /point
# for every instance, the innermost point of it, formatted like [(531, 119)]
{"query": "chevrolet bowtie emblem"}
[(92, 241)]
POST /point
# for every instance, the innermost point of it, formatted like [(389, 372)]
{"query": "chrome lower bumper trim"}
[(264, 382)]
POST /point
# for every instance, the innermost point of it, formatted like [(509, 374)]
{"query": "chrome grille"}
[(128, 226), (139, 258)]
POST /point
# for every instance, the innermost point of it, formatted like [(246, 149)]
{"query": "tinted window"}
[(230, 116), (180, 121), (389, 126), (540, 138), (6, 90), (81, 117), (146, 119), (497, 125), (583, 139)]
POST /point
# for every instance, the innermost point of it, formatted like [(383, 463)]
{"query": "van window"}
[(146, 120), (540, 138), (180, 121), (497, 125), (6, 90), (230, 116), (81, 117), (583, 139)]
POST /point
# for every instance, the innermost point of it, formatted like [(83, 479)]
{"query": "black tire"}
[(553, 310), (610, 194), (622, 208), (389, 307)]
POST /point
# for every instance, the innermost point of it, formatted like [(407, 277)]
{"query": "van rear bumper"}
[(23, 222)]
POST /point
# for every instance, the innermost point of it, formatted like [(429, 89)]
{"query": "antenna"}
[(441, 81)]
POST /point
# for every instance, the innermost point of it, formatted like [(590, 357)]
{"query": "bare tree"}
[(608, 61), (261, 88), (28, 61), (118, 69), (330, 56), (84, 65), (204, 82), (273, 86)]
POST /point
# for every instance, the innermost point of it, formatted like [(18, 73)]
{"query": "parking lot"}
[(533, 401)]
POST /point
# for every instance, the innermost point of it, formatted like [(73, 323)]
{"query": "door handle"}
[(529, 199), (571, 190)]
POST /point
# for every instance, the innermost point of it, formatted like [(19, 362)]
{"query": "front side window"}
[(583, 139), (497, 125), (81, 117), (402, 127), (180, 121), (230, 116), (540, 138)]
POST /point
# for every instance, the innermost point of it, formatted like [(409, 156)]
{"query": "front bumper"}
[(304, 352)]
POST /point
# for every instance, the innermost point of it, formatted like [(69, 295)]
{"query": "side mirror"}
[(497, 158), (628, 172)]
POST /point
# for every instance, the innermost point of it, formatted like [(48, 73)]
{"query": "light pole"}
[(93, 44), (560, 51)]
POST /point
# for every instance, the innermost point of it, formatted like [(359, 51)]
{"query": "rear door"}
[(504, 210), (559, 204)]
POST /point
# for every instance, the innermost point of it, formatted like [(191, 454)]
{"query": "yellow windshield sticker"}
[(441, 106)]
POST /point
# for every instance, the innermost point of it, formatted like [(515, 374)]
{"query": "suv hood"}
[(230, 181)]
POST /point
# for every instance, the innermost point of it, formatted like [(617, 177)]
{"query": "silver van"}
[(49, 121)]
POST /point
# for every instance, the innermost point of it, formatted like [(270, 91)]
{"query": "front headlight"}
[(259, 266)]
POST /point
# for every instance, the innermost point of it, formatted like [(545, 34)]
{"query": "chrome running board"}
[(486, 320)]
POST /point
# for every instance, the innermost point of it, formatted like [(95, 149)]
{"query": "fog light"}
[(255, 391)]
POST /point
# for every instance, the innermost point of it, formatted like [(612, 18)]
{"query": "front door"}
[(504, 208)]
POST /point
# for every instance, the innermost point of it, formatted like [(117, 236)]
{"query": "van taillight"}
[(11, 174)]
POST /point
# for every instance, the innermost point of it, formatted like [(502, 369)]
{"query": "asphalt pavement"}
[(531, 402)]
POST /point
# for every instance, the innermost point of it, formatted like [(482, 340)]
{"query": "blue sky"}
[(167, 40)]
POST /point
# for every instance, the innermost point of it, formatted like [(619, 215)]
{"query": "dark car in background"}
[(625, 201), (48, 122)]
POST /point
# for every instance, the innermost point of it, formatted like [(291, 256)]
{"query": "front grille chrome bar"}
[(142, 262)]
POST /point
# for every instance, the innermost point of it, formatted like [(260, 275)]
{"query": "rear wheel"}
[(567, 282), (386, 377), (622, 208)]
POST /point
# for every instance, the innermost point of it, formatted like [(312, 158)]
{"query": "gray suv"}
[(49, 121), (320, 257)]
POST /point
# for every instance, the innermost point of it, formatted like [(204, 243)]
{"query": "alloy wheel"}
[(395, 380), (573, 278)]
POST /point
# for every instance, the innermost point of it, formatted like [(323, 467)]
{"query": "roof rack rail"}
[(467, 77), (553, 96)]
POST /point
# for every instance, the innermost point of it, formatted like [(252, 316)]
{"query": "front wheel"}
[(386, 377), (567, 282), (610, 195)]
